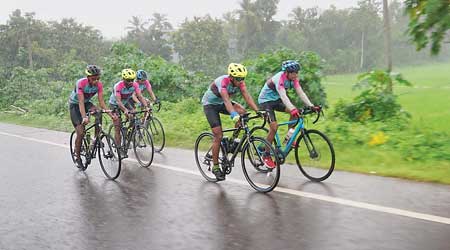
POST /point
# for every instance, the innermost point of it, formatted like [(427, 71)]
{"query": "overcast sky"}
[(111, 17)]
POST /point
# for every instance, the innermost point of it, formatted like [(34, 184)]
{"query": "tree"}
[(429, 22), (202, 45)]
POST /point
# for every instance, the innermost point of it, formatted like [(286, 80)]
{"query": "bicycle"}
[(142, 140), (314, 152), (155, 128), (262, 182), (103, 144)]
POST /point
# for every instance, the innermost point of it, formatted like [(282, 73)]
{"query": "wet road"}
[(46, 203)]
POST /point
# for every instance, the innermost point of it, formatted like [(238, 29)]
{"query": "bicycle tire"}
[(320, 151), (204, 159), (260, 181), (156, 129), (142, 139), (108, 153), (83, 153)]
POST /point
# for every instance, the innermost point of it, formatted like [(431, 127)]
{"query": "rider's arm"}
[(284, 97), (101, 100), (81, 105), (137, 91), (227, 101), (135, 99), (150, 91), (248, 98), (302, 95)]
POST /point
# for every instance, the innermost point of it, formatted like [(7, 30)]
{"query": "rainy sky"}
[(111, 17)]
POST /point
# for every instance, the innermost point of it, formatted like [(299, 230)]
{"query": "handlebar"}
[(245, 118), (308, 110)]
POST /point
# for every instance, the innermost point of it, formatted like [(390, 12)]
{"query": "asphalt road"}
[(47, 203)]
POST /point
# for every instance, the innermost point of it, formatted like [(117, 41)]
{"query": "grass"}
[(427, 101)]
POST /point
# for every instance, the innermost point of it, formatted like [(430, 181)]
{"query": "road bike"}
[(102, 145), (247, 145), (133, 133), (314, 152)]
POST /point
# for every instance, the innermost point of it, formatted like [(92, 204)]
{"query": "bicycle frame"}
[(236, 131), (298, 130)]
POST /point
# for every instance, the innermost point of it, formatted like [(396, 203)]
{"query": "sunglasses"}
[(95, 78), (128, 80), (239, 79), (296, 72)]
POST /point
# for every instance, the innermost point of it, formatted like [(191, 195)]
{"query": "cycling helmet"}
[(141, 75), (92, 70), (290, 66), (128, 74), (237, 70)]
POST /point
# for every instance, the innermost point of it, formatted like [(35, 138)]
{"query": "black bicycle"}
[(102, 145), (248, 145), (133, 131), (155, 127)]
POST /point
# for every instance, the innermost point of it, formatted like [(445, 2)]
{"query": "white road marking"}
[(363, 205)]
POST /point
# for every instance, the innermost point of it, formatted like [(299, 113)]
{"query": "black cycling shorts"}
[(271, 106), (212, 113), (75, 114)]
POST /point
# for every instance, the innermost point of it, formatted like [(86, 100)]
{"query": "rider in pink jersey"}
[(217, 100), (273, 95), (120, 99), (144, 84), (79, 104)]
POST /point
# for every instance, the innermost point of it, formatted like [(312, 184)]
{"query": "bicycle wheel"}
[(156, 129), (143, 146), (253, 155), (315, 155), (83, 154), (261, 181), (203, 155), (109, 157)]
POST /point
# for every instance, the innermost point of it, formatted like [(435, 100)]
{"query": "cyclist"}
[(273, 95), (217, 100), (80, 102), (144, 84), (119, 101)]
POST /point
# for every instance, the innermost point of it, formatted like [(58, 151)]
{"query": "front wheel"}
[(143, 147), (315, 155), (203, 155), (109, 157), (261, 181), (83, 151), (156, 129)]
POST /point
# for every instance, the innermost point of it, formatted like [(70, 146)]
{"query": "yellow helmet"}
[(128, 74), (237, 70)]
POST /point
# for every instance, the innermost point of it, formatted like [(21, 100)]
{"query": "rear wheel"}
[(203, 155), (109, 157), (143, 146), (315, 155), (261, 178)]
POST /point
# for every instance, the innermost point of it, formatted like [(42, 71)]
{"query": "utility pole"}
[(387, 37)]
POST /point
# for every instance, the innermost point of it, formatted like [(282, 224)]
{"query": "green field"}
[(419, 151)]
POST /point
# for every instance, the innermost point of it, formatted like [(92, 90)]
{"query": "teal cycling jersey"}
[(270, 90), (220, 84)]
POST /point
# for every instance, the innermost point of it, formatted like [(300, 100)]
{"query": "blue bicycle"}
[(314, 152)]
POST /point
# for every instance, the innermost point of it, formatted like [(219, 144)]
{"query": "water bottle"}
[(288, 135), (88, 138), (225, 143), (233, 144)]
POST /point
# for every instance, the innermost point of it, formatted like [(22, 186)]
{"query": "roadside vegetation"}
[(380, 122)]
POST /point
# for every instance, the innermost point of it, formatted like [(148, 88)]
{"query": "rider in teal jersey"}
[(80, 103), (273, 95), (217, 100)]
